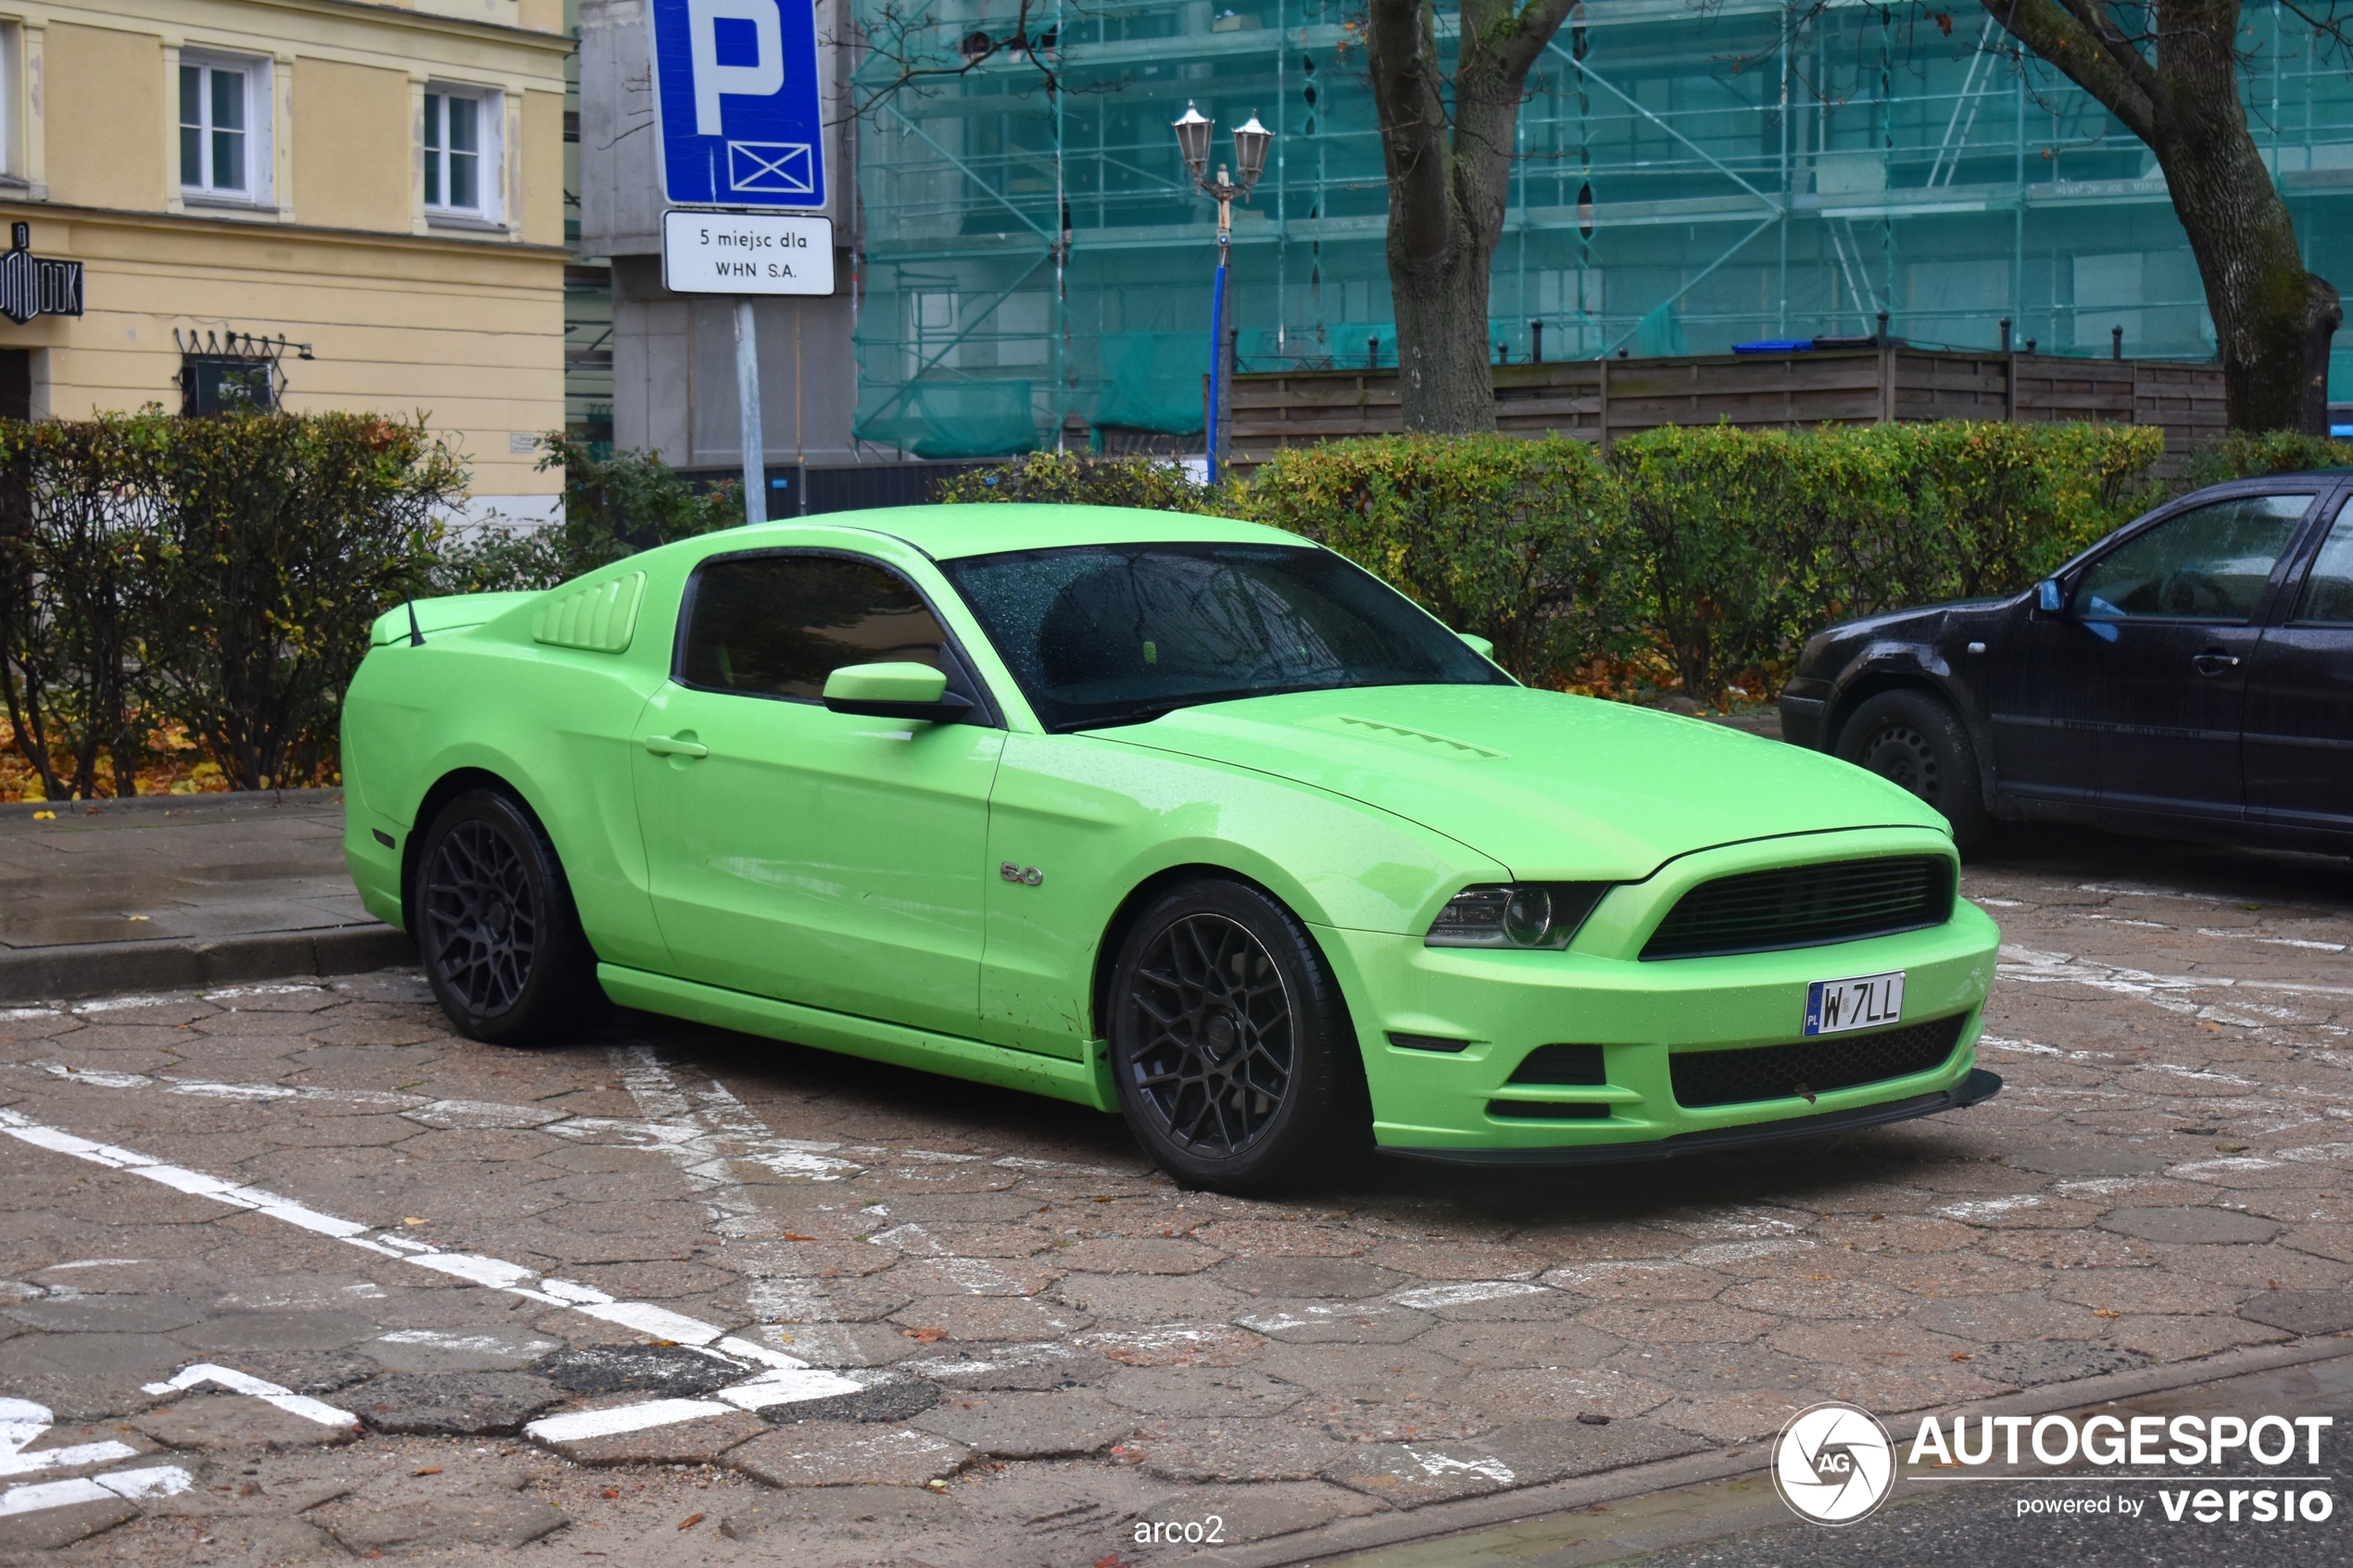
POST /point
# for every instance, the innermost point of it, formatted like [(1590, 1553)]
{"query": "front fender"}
[(1097, 820)]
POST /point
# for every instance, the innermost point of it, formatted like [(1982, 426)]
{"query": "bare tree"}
[(1447, 145), (2168, 70)]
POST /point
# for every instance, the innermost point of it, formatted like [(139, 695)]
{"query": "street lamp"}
[(1251, 141)]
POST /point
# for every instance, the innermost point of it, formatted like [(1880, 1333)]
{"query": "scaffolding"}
[(1036, 263)]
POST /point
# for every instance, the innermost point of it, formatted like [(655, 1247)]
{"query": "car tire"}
[(496, 926), (1915, 740), (1236, 1067)]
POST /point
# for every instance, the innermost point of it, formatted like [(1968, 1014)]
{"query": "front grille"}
[(1811, 1067), (1806, 907)]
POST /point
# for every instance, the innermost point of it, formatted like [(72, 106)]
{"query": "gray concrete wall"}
[(674, 372)]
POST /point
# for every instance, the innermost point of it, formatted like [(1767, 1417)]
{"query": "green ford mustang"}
[(1185, 818)]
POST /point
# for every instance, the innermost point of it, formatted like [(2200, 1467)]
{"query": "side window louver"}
[(599, 619)]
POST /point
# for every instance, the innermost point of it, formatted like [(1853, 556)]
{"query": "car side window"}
[(2208, 564), (777, 625), (2328, 589)]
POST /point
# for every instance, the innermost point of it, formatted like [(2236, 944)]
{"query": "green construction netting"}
[(1682, 182), (955, 420), (1152, 380)]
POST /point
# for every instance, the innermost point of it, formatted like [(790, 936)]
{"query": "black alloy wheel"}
[(1235, 1065), (502, 944), (1912, 739)]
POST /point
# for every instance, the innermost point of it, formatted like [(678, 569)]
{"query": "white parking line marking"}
[(624, 1418), (156, 1481), (238, 1382), (493, 1273), (22, 1423)]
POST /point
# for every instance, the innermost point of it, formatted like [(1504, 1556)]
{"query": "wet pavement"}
[(291, 1273), (179, 890)]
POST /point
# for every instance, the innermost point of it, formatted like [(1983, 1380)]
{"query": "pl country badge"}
[(1833, 1464)]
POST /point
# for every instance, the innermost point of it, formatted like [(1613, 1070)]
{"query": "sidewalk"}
[(177, 891)]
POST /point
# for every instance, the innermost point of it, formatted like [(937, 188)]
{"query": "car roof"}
[(947, 533)]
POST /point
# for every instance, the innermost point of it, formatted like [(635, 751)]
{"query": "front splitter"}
[(1979, 1085)]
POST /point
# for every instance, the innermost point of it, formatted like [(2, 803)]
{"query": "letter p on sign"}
[(761, 79)]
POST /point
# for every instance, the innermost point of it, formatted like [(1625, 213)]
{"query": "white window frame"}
[(489, 209), (260, 109), (12, 107)]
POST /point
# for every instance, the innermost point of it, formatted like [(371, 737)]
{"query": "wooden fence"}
[(1599, 399)]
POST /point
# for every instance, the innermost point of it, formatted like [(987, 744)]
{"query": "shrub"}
[(1522, 542), (1724, 547), (1751, 540), (2240, 454), (279, 538), (612, 507), (1149, 483), (78, 505)]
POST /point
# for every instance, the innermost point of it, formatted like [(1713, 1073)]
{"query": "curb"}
[(1338, 1542), (90, 969), (166, 805)]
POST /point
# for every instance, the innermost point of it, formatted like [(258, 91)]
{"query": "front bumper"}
[(1501, 1006)]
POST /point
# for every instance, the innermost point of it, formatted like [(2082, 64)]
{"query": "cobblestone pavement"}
[(290, 1272)]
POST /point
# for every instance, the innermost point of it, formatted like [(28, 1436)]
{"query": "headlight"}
[(1515, 914)]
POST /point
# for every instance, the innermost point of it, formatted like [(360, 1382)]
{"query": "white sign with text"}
[(747, 252)]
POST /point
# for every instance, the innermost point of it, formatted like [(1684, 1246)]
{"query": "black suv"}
[(2190, 675)]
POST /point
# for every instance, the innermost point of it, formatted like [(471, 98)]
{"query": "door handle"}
[(666, 746), (2214, 662)]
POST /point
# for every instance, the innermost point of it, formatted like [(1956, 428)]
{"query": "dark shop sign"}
[(35, 285)]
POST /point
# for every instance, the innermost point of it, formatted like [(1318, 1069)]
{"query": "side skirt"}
[(1087, 1083)]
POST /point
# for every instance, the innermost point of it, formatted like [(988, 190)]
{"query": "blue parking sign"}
[(742, 122)]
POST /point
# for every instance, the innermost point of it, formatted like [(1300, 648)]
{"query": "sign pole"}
[(747, 400)]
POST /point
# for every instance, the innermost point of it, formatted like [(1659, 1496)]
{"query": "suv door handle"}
[(665, 746), (2213, 662)]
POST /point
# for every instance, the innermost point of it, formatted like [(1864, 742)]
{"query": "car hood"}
[(1551, 786)]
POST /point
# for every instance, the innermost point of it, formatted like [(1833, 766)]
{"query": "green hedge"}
[(1719, 549), (213, 576)]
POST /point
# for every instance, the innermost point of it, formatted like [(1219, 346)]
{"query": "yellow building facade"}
[(381, 186)]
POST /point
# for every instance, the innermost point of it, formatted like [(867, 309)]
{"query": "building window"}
[(461, 153), (224, 128)]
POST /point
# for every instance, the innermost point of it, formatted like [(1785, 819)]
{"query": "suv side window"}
[(2328, 589), (2207, 564), (777, 625)]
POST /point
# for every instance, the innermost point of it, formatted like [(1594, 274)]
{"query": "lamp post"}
[(1250, 141)]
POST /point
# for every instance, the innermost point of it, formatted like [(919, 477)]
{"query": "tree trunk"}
[(1449, 156), (2272, 319)]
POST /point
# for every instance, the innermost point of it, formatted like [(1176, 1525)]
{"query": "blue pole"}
[(1216, 342)]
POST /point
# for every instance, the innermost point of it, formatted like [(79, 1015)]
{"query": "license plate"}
[(1868, 1001)]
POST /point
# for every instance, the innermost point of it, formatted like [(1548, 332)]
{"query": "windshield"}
[(1105, 635)]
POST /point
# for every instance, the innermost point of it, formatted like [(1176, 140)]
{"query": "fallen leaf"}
[(1961, 1356), (428, 1469), (413, 1220), (790, 1237), (609, 1492), (2106, 1313), (44, 816), (924, 1335), (692, 1520)]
